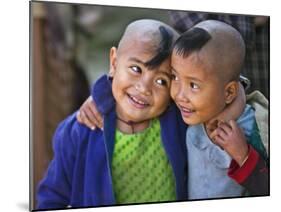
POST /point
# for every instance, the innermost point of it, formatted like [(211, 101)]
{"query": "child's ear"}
[(113, 61), (231, 91)]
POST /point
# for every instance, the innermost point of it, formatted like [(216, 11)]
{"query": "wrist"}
[(240, 174), (243, 160)]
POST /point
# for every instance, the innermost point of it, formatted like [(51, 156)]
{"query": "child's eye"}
[(136, 69), (194, 86), (162, 82), (174, 77)]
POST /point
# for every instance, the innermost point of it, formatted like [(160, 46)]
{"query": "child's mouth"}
[(137, 102), (186, 112)]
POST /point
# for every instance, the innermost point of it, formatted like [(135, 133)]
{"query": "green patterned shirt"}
[(141, 171)]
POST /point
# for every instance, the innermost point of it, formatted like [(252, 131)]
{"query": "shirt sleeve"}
[(253, 175)]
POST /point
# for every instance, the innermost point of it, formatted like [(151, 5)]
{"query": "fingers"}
[(218, 140), (96, 117), (222, 132), (83, 119), (233, 124), (78, 117), (213, 134), (225, 127), (212, 125), (90, 116)]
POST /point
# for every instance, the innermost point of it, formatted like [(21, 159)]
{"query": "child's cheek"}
[(173, 91)]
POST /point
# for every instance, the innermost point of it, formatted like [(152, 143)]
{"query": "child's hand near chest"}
[(230, 137)]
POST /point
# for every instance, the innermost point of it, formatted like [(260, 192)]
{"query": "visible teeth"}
[(138, 101), (186, 110)]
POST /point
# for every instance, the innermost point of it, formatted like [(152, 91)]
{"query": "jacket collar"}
[(173, 131), (109, 133), (102, 94)]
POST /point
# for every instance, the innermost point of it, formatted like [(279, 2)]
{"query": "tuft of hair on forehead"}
[(164, 48), (190, 41), (158, 35), (218, 45)]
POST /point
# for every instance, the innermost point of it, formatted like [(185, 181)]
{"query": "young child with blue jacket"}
[(206, 62), (137, 157)]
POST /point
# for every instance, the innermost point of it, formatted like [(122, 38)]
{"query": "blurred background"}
[(69, 50)]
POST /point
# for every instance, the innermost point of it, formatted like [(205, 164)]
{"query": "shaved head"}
[(154, 36), (218, 46)]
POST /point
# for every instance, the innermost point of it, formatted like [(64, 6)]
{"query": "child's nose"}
[(182, 95), (144, 87)]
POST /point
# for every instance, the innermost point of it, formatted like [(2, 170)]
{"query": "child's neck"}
[(131, 127)]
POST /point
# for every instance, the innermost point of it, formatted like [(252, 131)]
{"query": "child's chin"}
[(191, 121)]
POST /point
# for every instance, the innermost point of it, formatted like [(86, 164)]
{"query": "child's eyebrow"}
[(165, 73), (134, 59), (194, 79), (189, 77)]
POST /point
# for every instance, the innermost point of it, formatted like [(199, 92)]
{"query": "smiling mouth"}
[(186, 112), (138, 103)]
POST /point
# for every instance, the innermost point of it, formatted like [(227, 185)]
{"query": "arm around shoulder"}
[(253, 174)]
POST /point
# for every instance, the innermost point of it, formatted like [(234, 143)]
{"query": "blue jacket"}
[(80, 173)]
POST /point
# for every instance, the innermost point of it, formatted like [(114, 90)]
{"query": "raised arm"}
[(91, 114), (249, 165)]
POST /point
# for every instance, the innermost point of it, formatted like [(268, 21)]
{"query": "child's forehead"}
[(211, 58), (197, 63), (146, 51), (149, 39), (140, 48), (145, 42), (196, 58), (141, 41)]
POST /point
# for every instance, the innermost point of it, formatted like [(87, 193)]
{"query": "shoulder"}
[(172, 117), (248, 123), (247, 120), (172, 113), (173, 125), (69, 133)]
